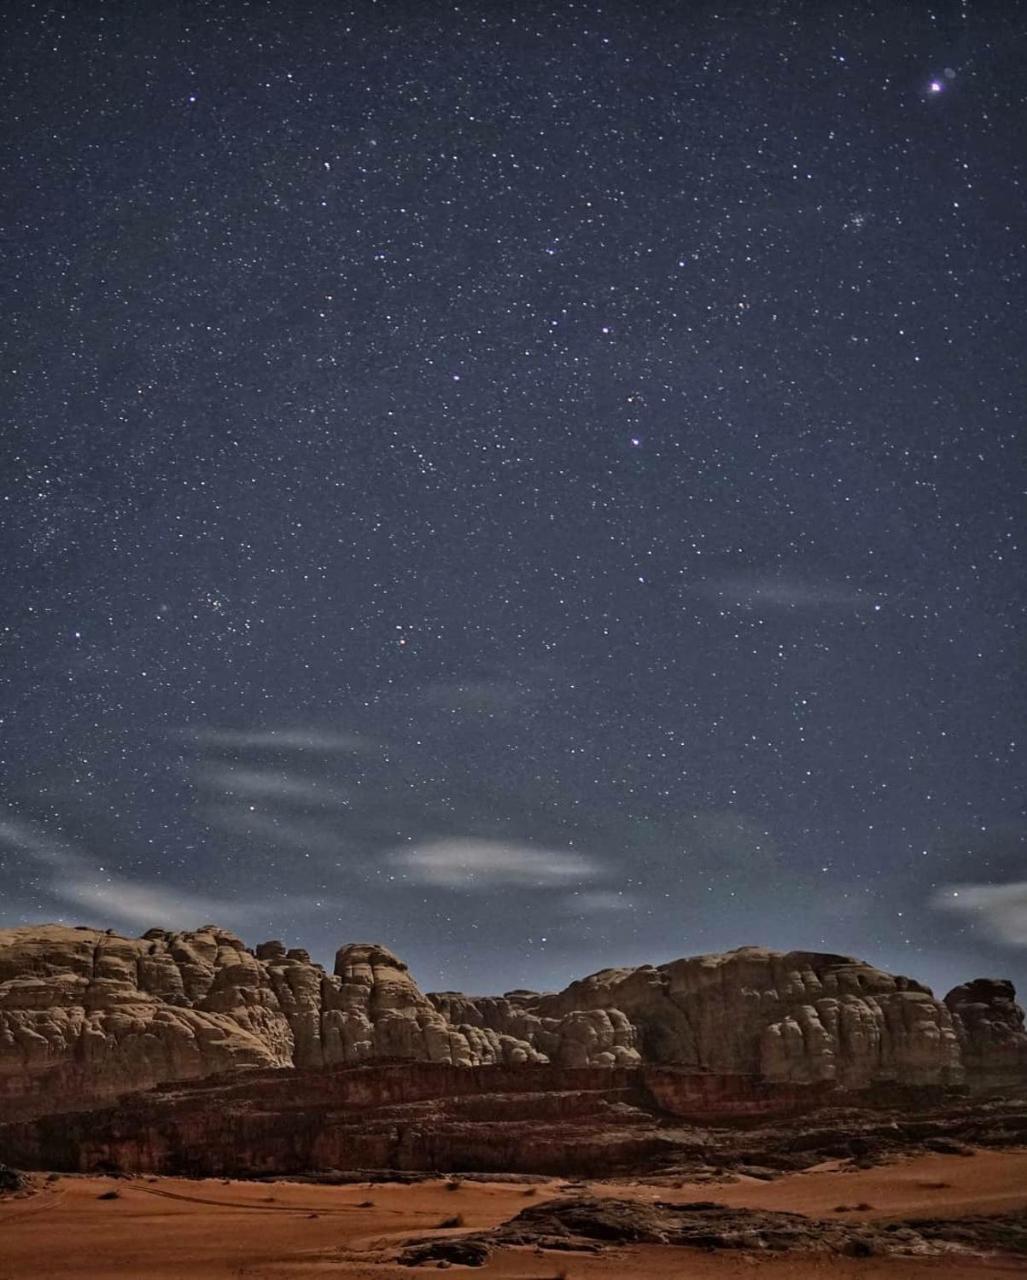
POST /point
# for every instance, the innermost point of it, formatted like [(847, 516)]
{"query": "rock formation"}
[(602, 1037), (594, 1223), (86, 1016), (531, 1118), (990, 1026), (796, 1017)]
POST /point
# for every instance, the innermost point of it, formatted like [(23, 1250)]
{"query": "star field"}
[(535, 485)]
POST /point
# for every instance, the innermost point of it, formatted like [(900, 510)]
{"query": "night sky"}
[(533, 485)]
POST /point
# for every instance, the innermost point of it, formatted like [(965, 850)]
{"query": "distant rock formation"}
[(990, 1026), (788, 1018), (86, 1016)]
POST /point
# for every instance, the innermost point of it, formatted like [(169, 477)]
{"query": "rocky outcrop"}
[(403, 1116), (786, 1017), (990, 1027), (799, 1017), (371, 1008), (576, 1038), (86, 1016), (592, 1224), (535, 1118)]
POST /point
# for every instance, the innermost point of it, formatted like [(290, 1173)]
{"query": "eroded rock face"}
[(800, 1017), (372, 1008), (603, 1037), (990, 1026), (86, 1016), (540, 1119), (787, 1017)]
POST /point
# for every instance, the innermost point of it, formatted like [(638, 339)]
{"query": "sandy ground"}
[(176, 1229)]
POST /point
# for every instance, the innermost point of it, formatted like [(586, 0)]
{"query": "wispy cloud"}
[(283, 739), (1001, 907), (294, 801), (31, 842), (146, 904), (272, 784), (79, 882), (484, 864), (773, 591)]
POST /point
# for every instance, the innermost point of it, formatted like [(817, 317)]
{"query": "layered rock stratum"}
[(535, 1118), (87, 1016)]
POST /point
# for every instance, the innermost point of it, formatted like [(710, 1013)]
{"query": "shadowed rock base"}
[(537, 1118)]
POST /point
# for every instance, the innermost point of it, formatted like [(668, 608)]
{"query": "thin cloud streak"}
[(293, 739), (485, 864), (78, 881), (140, 904), (269, 784)]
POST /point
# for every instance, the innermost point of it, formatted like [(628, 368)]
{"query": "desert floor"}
[(177, 1229)]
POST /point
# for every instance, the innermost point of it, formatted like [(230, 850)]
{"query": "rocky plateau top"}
[(88, 1015)]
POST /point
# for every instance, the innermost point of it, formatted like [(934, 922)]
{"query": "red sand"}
[(176, 1229)]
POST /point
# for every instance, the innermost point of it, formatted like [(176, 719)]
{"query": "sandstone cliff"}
[(536, 1118), (86, 1016), (990, 1026), (796, 1017)]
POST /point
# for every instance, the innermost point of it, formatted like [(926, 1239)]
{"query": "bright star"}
[(935, 86)]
